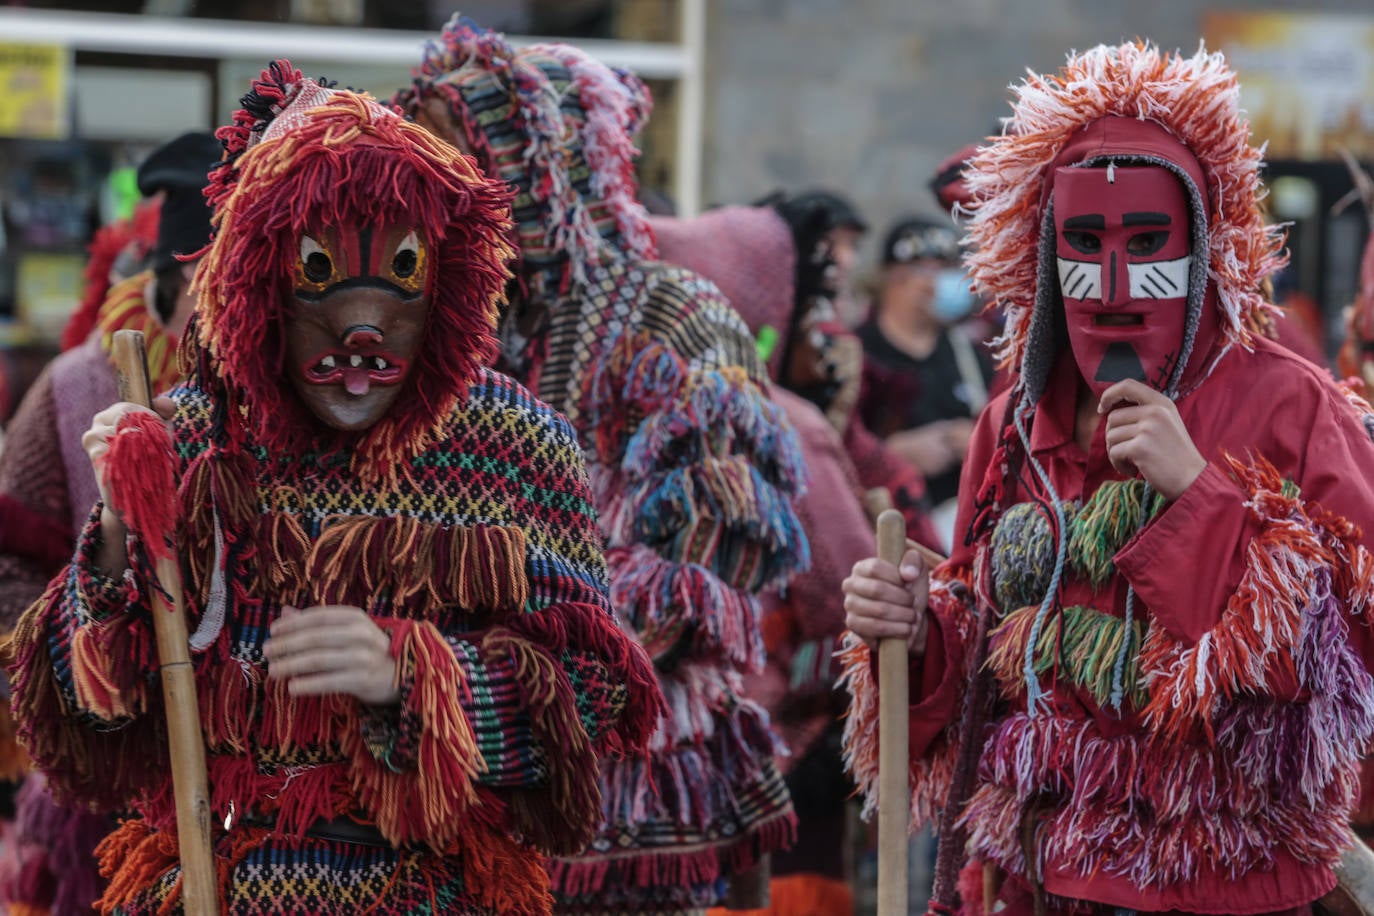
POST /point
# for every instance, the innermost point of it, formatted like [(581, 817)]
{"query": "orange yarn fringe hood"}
[(1197, 100)]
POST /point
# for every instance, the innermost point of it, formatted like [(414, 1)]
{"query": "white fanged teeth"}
[(355, 360), (327, 362), (381, 363)]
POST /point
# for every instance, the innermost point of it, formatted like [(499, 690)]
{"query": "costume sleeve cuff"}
[(937, 690), (936, 682), (1206, 528), (100, 596), (392, 733), (428, 803)]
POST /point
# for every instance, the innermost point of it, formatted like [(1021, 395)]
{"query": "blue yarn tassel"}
[(1122, 654), (1035, 694)]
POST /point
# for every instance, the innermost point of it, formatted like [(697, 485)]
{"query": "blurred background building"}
[(862, 96)]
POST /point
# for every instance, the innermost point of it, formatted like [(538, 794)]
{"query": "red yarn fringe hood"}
[(340, 158), (1197, 100)]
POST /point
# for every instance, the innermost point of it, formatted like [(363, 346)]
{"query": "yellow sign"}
[(47, 290), (33, 91), (1306, 79)]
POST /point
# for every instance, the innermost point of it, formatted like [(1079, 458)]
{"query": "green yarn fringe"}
[(1107, 523), (1086, 654)]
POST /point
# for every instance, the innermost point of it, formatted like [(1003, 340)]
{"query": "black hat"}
[(179, 170), (916, 238), (814, 213)]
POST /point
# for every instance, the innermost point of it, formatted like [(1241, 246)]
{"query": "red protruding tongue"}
[(356, 381)]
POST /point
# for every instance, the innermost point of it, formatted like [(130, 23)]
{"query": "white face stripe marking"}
[(1159, 279), (309, 246), (1149, 280), (1080, 279)]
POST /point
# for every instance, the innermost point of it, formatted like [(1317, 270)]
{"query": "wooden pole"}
[(1355, 880), (199, 887), (894, 787), (749, 890)]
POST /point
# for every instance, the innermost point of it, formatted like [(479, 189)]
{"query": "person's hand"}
[(882, 601), (1146, 436), (926, 447), (958, 431), (332, 649), (96, 439)]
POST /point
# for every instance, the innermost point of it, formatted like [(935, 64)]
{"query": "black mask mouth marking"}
[(1119, 363)]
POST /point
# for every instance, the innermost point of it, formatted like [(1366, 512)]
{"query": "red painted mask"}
[(360, 298), (1124, 248)]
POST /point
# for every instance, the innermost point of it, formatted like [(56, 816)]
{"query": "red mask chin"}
[(1124, 246)]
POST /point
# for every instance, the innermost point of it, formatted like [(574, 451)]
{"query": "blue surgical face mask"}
[(954, 299)]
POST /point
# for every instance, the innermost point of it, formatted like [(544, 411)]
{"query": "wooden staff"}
[(1354, 893), (894, 787), (199, 887), (877, 501), (749, 890)]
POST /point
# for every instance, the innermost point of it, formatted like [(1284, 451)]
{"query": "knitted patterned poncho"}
[(462, 522), (693, 469)]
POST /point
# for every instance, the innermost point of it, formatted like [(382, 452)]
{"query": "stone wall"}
[(868, 96)]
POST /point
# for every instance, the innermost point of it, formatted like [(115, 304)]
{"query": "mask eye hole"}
[(315, 261), (408, 262), (1083, 242), (318, 267), (1144, 244), (404, 263)]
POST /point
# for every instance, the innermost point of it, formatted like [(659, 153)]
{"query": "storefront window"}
[(147, 71), (629, 20)]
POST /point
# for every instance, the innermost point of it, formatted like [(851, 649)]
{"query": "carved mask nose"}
[(361, 335)]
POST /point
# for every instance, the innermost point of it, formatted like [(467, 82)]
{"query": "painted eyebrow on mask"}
[(1145, 218), (1091, 221)]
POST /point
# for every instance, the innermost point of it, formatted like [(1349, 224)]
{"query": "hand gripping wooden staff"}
[(894, 787), (199, 887)]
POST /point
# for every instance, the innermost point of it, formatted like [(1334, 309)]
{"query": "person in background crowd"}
[(1355, 362), (46, 484), (827, 230), (814, 354), (1356, 358), (924, 380), (749, 252), (948, 184), (695, 472)]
